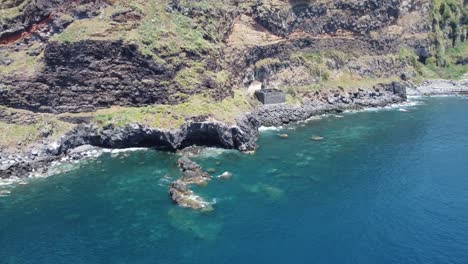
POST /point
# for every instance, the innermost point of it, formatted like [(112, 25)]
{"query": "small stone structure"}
[(270, 96)]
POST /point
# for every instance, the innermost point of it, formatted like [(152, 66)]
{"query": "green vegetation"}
[(432, 70), (173, 116), (316, 62), (21, 62), (190, 77), (348, 81), (267, 62), (97, 28), (450, 26), (345, 81), (10, 9), (84, 29), (449, 19), (162, 34), (12, 134)]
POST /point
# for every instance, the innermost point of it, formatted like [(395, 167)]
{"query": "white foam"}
[(10, 181), (214, 152), (272, 128), (313, 118), (213, 201), (4, 193), (197, 199), (106, 150), (397, 106)]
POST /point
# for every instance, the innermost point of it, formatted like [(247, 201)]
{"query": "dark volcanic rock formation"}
[(179, 190), (84, 75), (241, 136), (89, 74), (32, 12)]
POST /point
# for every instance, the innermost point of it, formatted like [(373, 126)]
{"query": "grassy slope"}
[(12, 10), (171, 117), (29, 132)]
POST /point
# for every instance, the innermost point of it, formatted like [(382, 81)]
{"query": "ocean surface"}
[(387, 186)]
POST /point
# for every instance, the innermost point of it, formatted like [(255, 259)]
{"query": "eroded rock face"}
[(86, 75), (83, 76), (31, 12), (213, 134), (357, 17)]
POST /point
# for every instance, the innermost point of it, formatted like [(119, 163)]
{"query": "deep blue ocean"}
[(387, 186)]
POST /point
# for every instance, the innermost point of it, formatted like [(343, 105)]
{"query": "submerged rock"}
[(283, 136), (211, 170)]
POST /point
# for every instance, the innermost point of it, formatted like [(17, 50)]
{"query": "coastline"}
[(242, 136)]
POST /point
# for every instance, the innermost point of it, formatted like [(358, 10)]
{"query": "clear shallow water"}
[(383, 187)]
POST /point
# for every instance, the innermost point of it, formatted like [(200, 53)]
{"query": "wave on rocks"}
[(215, 152), (397, 106), (272, 128)]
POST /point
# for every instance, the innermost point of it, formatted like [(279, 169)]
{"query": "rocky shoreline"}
[(241, 136), (85, 140)]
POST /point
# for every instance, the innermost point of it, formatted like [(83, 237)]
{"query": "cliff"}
[(168, 65), (77, 56)]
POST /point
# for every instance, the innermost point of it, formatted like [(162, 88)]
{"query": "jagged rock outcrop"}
[(179, 190), (82, 76), (241, 136)]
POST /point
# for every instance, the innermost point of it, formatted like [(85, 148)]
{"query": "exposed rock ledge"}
[(241, 136)]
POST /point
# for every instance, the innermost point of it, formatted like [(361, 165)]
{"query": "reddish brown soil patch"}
[(11, 38)]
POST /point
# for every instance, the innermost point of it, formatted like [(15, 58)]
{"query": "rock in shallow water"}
[(179, 190), (183, 196)]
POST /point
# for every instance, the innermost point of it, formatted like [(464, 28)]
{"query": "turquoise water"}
[(383, 187)]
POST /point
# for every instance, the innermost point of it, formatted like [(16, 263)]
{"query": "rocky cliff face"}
[(64, 61), (81, 76), (100, 69)]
